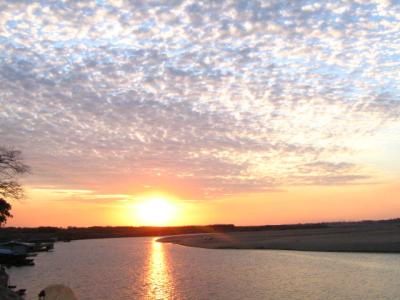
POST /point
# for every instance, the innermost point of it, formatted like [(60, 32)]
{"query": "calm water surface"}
[(139, 268)]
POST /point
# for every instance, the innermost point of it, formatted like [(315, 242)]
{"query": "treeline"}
[(76, 233), (95, 232)]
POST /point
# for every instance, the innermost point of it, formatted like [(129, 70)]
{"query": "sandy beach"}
[(352, 237)]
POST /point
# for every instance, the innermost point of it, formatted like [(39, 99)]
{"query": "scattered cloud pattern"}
[(229, 96)]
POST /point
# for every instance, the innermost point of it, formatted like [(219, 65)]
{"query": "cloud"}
[(329, 167), (226, 96)]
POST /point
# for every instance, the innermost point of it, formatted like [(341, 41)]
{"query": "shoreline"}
[(360, 238), (5, 292)]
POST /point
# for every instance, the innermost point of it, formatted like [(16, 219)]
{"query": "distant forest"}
[(76, 233)]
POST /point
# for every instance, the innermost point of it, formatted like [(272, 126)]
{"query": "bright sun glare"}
[(155, 212)]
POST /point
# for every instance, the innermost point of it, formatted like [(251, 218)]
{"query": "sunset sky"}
[(245, 112)]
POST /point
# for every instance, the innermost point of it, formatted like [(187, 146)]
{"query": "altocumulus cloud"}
[(231, 96)]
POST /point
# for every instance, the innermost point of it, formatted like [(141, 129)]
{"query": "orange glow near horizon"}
[(294, 205)]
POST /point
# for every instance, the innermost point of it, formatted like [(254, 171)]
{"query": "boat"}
[(11, 258), (22, 247)]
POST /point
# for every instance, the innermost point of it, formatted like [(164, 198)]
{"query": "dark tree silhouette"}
[(5, 208), (11, 166)]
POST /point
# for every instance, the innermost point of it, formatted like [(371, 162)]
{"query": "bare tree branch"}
[(11, 166), (11, 163), (11, 190)]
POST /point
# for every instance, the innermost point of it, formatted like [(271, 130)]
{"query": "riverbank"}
[(351, 237), (5, 292), (45, 234)]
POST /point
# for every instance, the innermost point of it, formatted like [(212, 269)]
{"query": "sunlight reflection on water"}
[(160, 281)]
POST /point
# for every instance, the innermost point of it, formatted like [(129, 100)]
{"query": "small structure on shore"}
[(23, 247), (10, 258), (18, 247), (16, 253)]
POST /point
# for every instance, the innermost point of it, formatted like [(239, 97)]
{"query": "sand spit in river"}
[(336, 238)]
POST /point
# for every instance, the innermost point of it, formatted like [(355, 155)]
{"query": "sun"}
[(156, 211)]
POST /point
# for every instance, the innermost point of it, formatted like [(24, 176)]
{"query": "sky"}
[(245, 112)]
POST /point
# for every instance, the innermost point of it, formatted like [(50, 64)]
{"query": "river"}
[(140, 268)]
